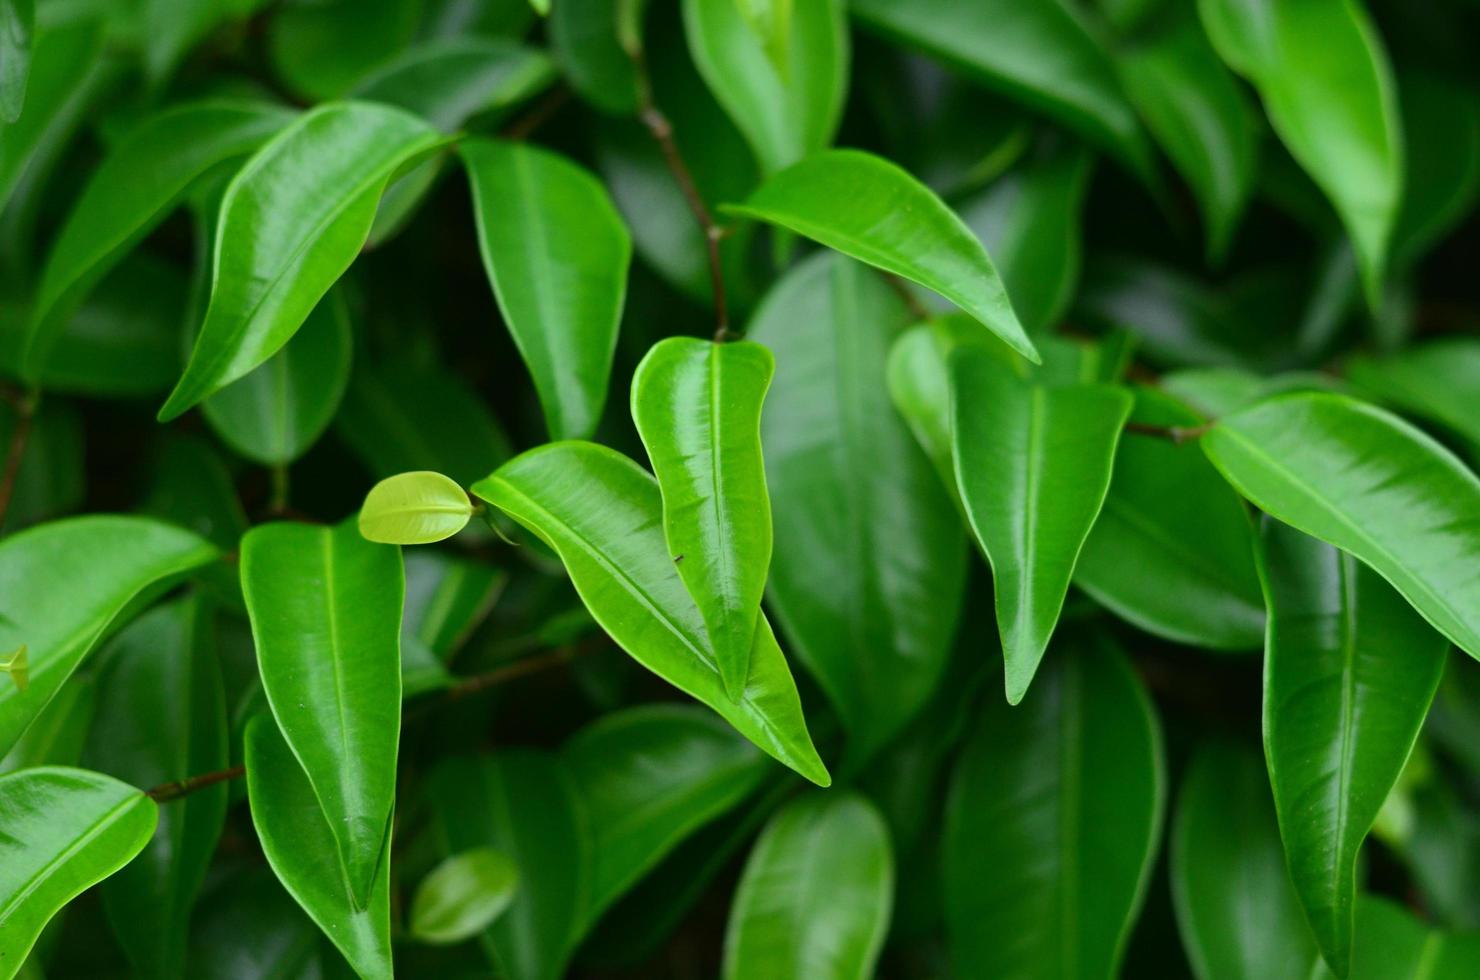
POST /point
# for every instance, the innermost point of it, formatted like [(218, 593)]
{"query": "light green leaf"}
[(17, 24), (419, 507), (1394, 945), (1437, 381), (463, 895), (1349, 672), (325, 606), (787, 110), (583, 36), (557, 254), (697, 406), (1032, 463), (65, 830), (602, 515), (302, 849), (65, 583), (171, 27), (1052, 821), (868, 208), (815, 897), (293, 219), (1372, 485), (448, 81), (50, 479)]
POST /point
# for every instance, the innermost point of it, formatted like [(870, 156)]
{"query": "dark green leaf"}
[(57, 735), (249, 927), (17, 24), (583, 34), (1438, 381), (448, 81)]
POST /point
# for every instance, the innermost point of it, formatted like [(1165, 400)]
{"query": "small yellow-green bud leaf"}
[(17, 665), (463, 895), (414, 508)]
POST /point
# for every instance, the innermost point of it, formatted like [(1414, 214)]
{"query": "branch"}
[(520, 668), (165, 792), (1176, 434)]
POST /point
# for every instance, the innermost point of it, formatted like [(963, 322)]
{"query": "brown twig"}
[(539, 114), (917, 309), (522, 667), (165, 792), (25, 409), (1175, 433)]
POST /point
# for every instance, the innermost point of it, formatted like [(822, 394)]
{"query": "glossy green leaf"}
[(771, 21), (57, 735), (161, 717), (65, 830), (815, 897), (1052, 822), (17, 24), (1323, 75), (321, 48), (1437, 381), (463, 895), (583, 34), (1393, 945), (1349, 672), (293, 219), (1039, 52), (1370, 484), (557, 254), (868, 208), (65, 583), (1033, 463), (302, 848), (448, 81), (446, 598), (325, 606), (1237, 912), (602, 514), (789, 110), (697, 406), (855, 504), (414, 508)]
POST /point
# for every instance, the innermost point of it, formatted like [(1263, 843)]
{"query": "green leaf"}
[(463, 895), (448, 81), (1370, 484), (49, 479), (787, 111), (1172, 517), (293, 219), (1349, 672), (1052, 821), (1393, 945), (446, 598), (855, 504), (1033, 463), (697, 406), (414, 508), (57, 735), (601, 513), (583, 35), (248, 926), (1327, 89), (277, 411), (191, 487), (1038, 52), (65, 830), (1437, 381), (815, 897), (17, 24), (321, 48), (557, 254), (65, 583), (302, 848), (325, 606), (137, 185), (1441, 160), (161, 717), (870, 209), (1238, 915)]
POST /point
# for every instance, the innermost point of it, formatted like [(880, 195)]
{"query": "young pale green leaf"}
[(17, 24), (868, 208), (325, 606), (1039, 52), (414, 508), (1437, 381), (1052, 821), (1349, 672), (919, 386), (1394, 945), (446, 598), (293, 219), (649, 777), (557, 254), (302, 848), (463, 895), (602, 514), (815, 897), (855, 504), (1238, 915), (65, 830), (789, 106), (130, 193), (65, 583), (448, 81), (697, 406), (1173, 518), (1372, 485), (50, 479), (583, 35), (1033, 463), (1322, 73), (161, 717)]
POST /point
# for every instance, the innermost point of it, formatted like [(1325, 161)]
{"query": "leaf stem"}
[(165, 792), (278, 503), (539, 114), (1176, 434), (25, 409)]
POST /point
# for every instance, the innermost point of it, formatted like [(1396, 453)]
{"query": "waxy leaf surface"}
[(414, 508)]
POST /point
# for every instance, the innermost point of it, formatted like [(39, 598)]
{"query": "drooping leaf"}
[(697, 406), (1394, 945), (172, 27), (868, 208), (1438, 381), (325, 606), (17, 24), (557, 254), (1052, 821), (583, 36), (815, 897), (1363, 480), (602, 515), (1033, 463), (65, 583), (855, 504), (462, 895), (414, 508), (1349, 672)]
